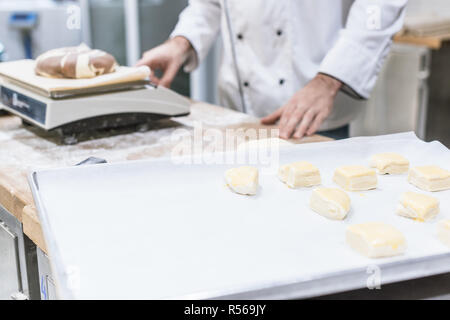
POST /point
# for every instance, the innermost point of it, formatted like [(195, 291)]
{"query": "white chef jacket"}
[(273, 48)]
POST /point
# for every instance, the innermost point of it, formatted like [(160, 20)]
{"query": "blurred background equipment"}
[(31, 27), (399, 101)]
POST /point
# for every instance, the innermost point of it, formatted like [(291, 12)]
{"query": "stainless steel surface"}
[(2, 51), (19, 296), (47, 284), (346, 281), (18, 264), (429, 288), (9, 263)]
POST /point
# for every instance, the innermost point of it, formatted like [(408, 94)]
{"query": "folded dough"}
[(420, 207), (444, 232), (430, 178), (355, 178), (242, 180), (375, 239), (331, 203), (299, 174), (389, 163), (75, 62)]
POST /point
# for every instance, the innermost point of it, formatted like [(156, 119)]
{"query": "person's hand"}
[(307, 109), (167, 57)]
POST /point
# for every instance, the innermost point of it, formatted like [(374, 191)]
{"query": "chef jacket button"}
[(246, 84), (279, 32), (281, 82), (240, 36)]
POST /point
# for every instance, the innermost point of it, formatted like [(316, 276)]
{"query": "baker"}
[(295, 63)]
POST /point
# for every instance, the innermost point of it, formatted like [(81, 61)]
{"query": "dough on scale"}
[(376, 240), (75, 62), (332, 203), (389, 163), (420, 207), (355, 178), (430, 178), (242, 180), (299, 174), (444, 232)]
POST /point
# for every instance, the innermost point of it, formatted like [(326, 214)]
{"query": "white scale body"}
[(48, 113)]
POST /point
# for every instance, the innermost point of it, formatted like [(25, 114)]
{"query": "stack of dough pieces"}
[(417, 206), (389, 163), (372, 239), (376, 240), (264, 144), (430, 178), (299, 174), (331, 203), (355, 178)]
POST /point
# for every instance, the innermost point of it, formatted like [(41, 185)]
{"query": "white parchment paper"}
[(152, 229)]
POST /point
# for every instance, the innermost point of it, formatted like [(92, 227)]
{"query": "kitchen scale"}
[(71, 107)]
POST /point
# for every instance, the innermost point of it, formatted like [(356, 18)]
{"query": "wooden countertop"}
[(22, 150), (432, 42)]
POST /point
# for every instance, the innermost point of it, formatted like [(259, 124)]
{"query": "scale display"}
[(27, 106)]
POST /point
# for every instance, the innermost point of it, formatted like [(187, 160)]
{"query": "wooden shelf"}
[(432, 42)]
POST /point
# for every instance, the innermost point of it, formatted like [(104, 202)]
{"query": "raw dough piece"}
[(444, 232), (355, 178), (269, 143), (420, 207), (389, 163), (299, 174), (376, 240), (242, 180), (430, 178), (332, 203), (75, 63)]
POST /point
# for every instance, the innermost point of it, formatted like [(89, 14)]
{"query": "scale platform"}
[(70, 107)]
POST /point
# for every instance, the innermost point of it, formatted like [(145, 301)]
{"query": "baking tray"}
[(158, 229)]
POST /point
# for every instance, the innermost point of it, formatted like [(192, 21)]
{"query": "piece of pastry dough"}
[(269, 143), (355, 178), (242, 180), (420, 207), (299, 174), (376, 240), (389, 163), (331, 203), (444, 232), (430, 178)]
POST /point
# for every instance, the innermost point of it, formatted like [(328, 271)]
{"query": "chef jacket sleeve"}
[(199, 23), (363, 45)]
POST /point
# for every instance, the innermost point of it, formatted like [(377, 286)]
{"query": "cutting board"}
[(22, 71)]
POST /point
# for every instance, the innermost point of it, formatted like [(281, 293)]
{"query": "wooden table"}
[(22, 149)]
